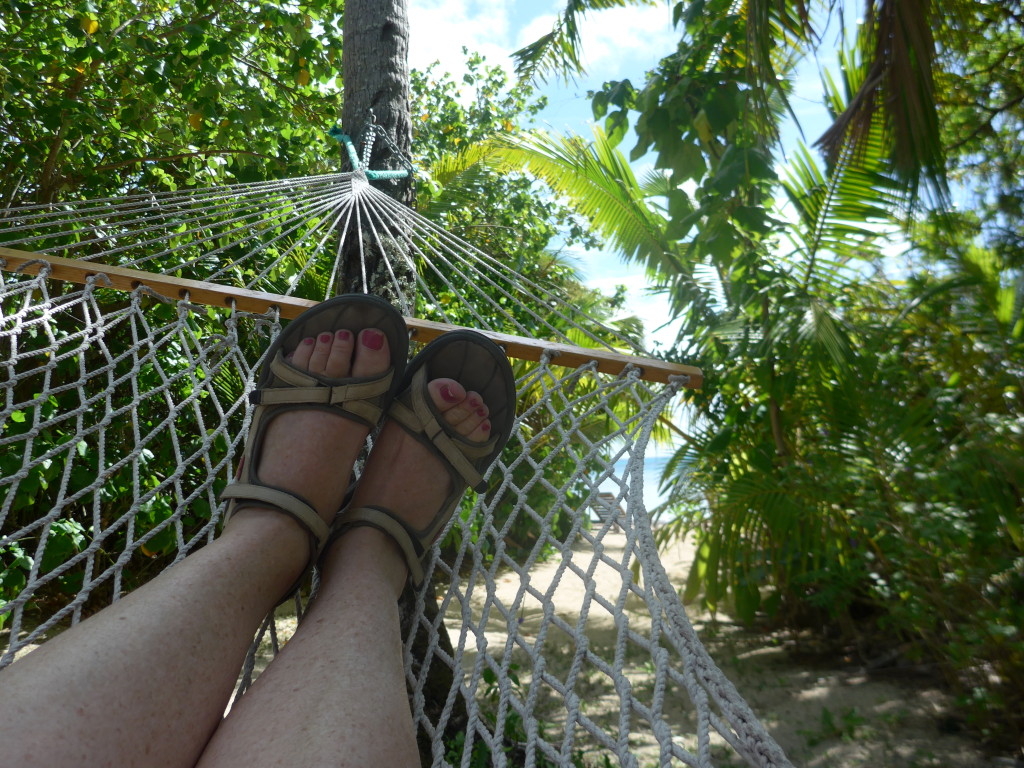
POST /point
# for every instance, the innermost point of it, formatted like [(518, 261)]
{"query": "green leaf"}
[(747, 600), (684, 159), (615, 127)]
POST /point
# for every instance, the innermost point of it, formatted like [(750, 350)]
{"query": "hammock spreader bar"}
[(290, 307)]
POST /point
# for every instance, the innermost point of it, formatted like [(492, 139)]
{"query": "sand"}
[(834, 715)]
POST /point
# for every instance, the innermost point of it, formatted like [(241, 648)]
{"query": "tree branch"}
[(994, 112), (182, 156)]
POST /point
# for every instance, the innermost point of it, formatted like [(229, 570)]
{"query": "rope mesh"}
[(123, 415)]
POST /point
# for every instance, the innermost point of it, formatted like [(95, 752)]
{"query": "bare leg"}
[(146, 681), (335, 695)]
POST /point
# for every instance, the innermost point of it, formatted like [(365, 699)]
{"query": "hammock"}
[(131, 332)]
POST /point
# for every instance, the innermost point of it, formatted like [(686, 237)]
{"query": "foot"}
[(401, 475), (311, 452)]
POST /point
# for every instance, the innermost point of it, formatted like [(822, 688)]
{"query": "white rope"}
[(123, 415)]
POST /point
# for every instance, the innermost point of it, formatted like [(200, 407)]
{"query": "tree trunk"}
[(375, 71)]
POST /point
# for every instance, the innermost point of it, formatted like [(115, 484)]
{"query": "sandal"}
[(479, 365), (282, 388)]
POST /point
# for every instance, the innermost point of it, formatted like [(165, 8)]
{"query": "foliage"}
[(512, 738), (155, 94), (496, 209), (855, 466), (96, 486), (475, 188)]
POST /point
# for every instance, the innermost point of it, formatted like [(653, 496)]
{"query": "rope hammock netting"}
[(132, 331)]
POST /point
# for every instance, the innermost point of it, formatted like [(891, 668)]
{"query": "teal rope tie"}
[(360, 164)]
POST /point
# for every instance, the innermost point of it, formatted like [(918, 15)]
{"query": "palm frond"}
[(777, 32), (595, 178), (851, 202), (894, 86), (656, 182), (559, 51), (453, 178)]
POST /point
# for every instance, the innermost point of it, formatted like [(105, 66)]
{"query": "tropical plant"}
[(841, 473)]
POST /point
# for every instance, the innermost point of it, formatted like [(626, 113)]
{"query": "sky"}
[(618, 43)]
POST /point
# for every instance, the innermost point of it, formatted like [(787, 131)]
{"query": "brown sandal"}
[(479, 365), (284, 388)]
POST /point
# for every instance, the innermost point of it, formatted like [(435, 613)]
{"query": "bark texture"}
[(375, 70)]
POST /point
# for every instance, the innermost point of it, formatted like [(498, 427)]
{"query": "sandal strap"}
[(355, 397), (421, 420), (287, 502), (384, 520)]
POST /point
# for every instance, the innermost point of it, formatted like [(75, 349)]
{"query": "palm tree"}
[(898, 40), (375, 64)]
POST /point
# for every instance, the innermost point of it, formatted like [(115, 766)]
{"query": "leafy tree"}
[(853, 467), (474, 187), (155, 94), (899, 42)]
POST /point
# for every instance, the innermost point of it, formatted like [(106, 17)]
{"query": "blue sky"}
[(618, 43)]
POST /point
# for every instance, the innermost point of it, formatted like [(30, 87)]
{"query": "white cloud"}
[(441, 28), (652, 309), (622, 39), (535, 28), (616, 42)]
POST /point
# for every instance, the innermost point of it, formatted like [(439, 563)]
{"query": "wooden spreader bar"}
[(257, 302)]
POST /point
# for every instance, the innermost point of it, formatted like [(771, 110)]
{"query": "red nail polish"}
[(481, 412), (325, 337), (343, 335), (447, 395), (373, 339), (309, 341), (486, 426)]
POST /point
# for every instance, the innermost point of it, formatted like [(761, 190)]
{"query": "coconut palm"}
[(898, 40)]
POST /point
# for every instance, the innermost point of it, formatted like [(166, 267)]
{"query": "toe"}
[(450, 399), (300, 357), (465, 411), (321, 353), (372, 353), (481, 433), (339, 361)]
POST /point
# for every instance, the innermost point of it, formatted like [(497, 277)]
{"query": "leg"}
[(146, 681), (336, 693)]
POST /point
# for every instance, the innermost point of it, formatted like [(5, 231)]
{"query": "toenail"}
[(343, 335), (486, 426), (481, 412), (325, 337), (474, 403), (308, 341), (373, 339), (447, 395)]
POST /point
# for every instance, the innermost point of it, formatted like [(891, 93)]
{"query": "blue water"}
[(653, 467)]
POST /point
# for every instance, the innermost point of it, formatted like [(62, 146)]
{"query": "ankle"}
[(365, 552), (259, 528)]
